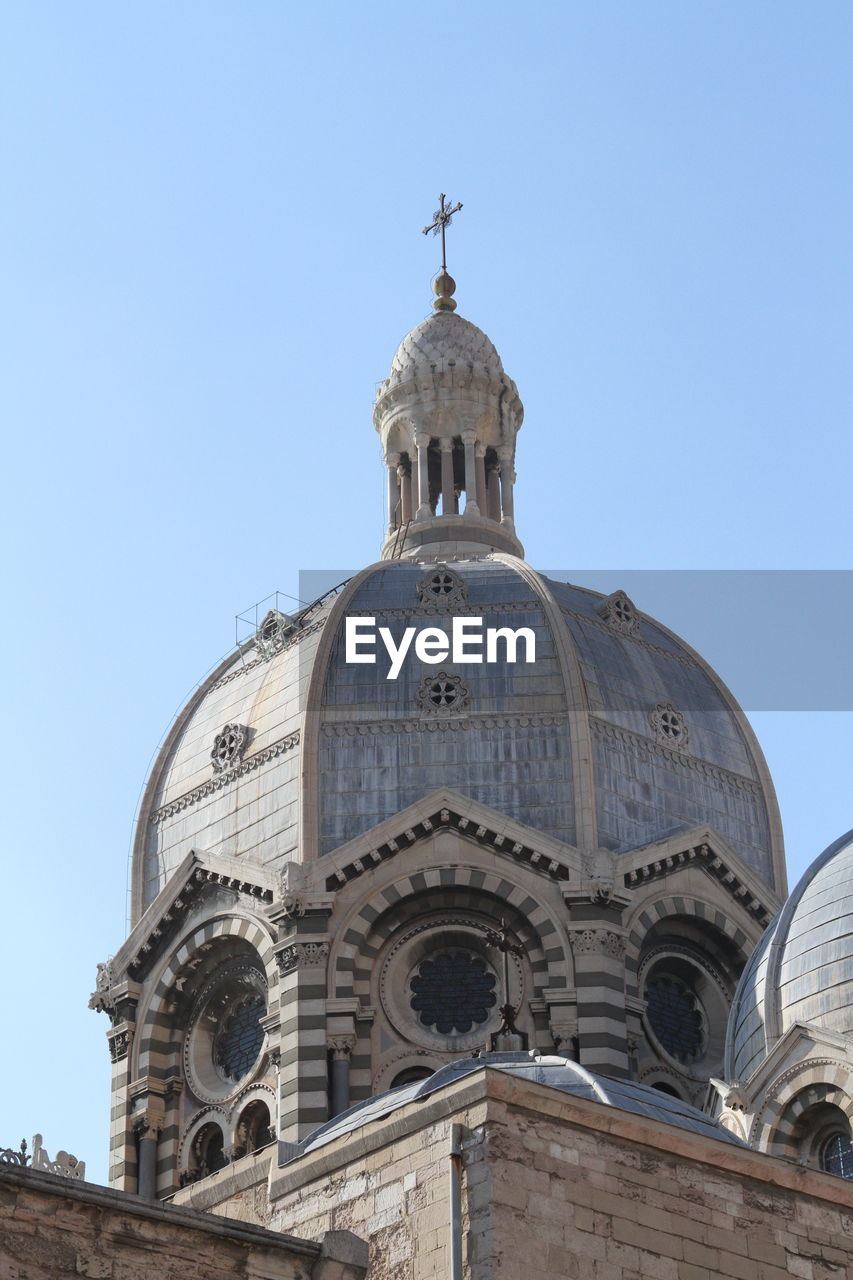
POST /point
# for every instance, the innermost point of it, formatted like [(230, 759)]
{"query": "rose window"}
[(669, 725), (619, 612), (228, 747), (443, 693), (441, 584), (674, 1016), (453, 991), (441, 587), (237, 1045)]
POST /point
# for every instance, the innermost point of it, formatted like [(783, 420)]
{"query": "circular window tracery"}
[(669, 725), (225, 1037), (674, 1016), (442, 692), (228, 747), (453, 992), (238, 1043)]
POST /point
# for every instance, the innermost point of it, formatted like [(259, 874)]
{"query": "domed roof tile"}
[(803, 969), (443, 339)]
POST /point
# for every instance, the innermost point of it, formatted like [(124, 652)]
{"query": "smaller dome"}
[(802, 970), (442, 340), (549, 1069)]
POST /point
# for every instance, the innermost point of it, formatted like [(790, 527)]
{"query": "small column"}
[(147, 1133), (393, 461), (480, 457), (424, 509), (341, 1047), (493, 491), (405, 478), (471, 507), (507, 481), (449, 505)]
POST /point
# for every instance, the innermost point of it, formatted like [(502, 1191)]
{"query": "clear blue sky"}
[(210, 228)]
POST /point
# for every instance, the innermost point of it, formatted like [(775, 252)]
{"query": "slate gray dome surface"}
[(548, 1069), (442, 338), (802, 970), (558, 745)]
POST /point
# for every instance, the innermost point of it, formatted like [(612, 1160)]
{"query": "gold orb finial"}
[(444, 286)]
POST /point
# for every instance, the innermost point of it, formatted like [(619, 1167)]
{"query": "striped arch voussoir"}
[(651, 913), (450, 889), (157, 1030), (793, 1093)]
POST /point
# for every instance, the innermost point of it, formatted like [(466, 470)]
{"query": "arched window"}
[(410, 1075), (208, 1152), (253, 1129), (667, 1088), (836, 1155)]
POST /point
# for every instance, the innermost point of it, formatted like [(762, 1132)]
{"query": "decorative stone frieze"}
[(683, 659), (301, 955), (119, 1041), (219, 780), (446, 818), (605, 941), (734, 784), (373, 728)]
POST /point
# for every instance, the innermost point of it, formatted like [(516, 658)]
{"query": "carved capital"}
[(119, 1040), (301, 955), (341, 1047), (603, 941)]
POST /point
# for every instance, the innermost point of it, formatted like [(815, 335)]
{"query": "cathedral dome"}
[(440, 342), (617, 735), (802, 971)]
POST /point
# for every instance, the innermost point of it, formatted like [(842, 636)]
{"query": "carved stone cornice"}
[(702, 855), (169, 921), (456, 607), (447, 819), (683, 658), (299, 634), (371, 728), (734, 783), (220, 780), (297, 955), (602, 941)]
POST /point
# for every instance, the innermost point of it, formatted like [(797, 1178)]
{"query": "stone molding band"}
[(248, 765), (366, 728), (735, 782), (299, 955)]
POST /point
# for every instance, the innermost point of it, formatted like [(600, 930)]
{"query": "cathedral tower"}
[(325, 855)]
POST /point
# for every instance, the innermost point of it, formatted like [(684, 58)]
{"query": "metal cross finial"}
[(440, 221), (500, 940)]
